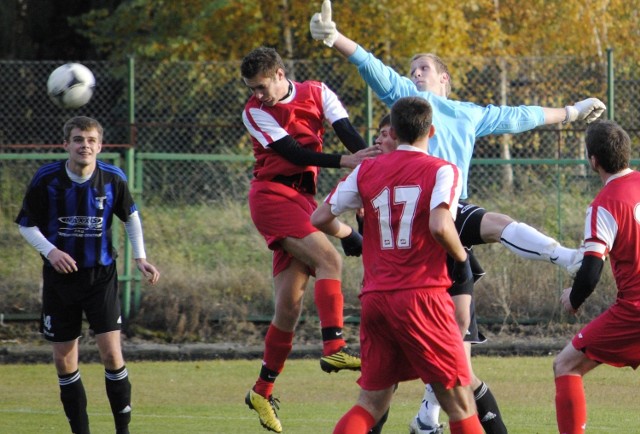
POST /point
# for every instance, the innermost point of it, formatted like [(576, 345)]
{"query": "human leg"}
[(486, 405), (524, 240), (61, 324), (318, 253), (426, 420), (370, 407), (117, 382), (289, 286), (72, 392), (102, 309), (571, 407), (458, 403)]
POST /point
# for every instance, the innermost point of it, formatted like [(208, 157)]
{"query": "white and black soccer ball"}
[(71, 85)]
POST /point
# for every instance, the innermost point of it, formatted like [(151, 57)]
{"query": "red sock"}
[(330, 303), (277, 346), (470, 425), (571, 405), (355, 421)]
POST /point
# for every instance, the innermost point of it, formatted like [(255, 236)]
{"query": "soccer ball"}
[(71, 85)]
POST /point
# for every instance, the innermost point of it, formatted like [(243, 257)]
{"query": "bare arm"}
[(344, 45), (323, 219), (587, 110), (444, 231), (554, 115)]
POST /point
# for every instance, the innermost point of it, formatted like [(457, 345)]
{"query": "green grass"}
[(207, 397)]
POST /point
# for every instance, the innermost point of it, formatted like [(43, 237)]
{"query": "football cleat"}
[(343, 359), (266, 409), (417, 427)]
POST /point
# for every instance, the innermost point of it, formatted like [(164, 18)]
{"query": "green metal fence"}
[(177, 131)]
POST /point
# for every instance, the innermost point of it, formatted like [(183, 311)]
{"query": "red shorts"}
[(410, 334), (613, 337), (279, 212)]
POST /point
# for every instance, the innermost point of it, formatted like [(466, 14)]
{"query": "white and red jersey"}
[(612, 227), (300, 116), (398, 191)]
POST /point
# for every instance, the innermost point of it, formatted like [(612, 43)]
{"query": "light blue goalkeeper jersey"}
[(457, 123)]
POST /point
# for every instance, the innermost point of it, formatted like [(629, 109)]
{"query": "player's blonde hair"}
[(441, 67)]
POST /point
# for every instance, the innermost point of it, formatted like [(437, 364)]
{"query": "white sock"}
[(429, 412), (529, 243)]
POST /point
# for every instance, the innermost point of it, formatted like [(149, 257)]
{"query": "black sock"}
[(268, 375), (119, 394), (377, 428), (74, 402), (331, 333), (488, 411)]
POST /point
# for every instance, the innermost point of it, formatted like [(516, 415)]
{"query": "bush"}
[(216, 272)]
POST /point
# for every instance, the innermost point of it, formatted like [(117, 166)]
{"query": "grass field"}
[(208, 397)]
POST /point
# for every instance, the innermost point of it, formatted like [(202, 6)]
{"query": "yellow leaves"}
[(225, 30)]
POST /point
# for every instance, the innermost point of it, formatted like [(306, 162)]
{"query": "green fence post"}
[(369, 105), (129, 170), (610, 85), (136, 277)]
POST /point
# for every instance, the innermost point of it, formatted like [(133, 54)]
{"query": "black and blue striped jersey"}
[(77, 218)]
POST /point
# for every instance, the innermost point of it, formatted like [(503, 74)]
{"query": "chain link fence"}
[(194, 108), (183, 119)]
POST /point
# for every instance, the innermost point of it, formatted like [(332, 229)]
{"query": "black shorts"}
[(468, 219), (65, 297)]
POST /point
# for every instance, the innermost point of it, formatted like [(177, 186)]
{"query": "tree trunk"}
[(505, 139)]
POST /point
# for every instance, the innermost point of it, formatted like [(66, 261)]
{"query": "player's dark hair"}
[(610, 144), (83, 123), (386, 120), (411, 119), (262, 60)]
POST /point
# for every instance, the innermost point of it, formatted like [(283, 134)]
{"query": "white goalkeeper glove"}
[(321, 26), (589, 110)]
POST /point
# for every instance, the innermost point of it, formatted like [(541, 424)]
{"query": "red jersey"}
[(300, 116), (398, 191), (613, 221)]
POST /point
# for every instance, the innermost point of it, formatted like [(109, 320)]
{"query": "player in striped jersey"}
[(66, 215)]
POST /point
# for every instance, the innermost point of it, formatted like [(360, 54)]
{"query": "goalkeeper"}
[(458, 124)]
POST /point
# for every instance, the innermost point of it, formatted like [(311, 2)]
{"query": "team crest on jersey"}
[(100, 201)]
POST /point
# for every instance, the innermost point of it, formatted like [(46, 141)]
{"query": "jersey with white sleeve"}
[(612, 227), (301, 116), (399, 251)]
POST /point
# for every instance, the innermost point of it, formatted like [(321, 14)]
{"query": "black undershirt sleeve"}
[(586, 280), (348, 135), (294, 153)]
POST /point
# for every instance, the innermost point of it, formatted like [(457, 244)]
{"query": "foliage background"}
[(188, 98)]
